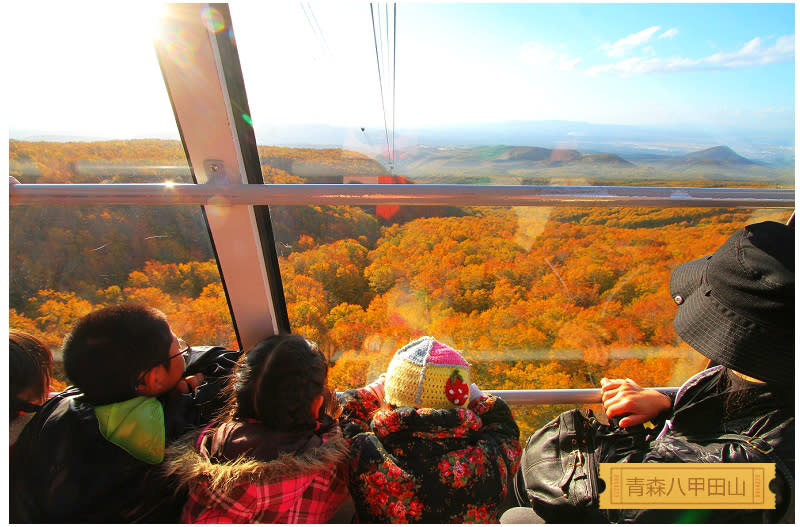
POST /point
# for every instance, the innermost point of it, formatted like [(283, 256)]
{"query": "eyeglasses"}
[(183, 349)]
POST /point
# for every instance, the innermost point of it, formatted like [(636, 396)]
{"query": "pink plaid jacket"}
[(308, 488)]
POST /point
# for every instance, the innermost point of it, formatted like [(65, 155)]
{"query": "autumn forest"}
[(535, 297)]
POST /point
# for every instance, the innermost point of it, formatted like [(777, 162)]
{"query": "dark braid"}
[(257, 389), (277, 381)]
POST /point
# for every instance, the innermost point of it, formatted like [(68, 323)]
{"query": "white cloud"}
[(622, 46), (537, 54), (569, 64), (752, 53), (546, 56), (785, 44), (772, 110), (597, 70), (669, 33)]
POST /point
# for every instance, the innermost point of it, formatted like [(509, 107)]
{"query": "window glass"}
[(529, 93), (90, 106), (85, 71), (340, 92), (532, 94)]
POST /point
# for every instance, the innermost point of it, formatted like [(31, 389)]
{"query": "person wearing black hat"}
[(736, 307)]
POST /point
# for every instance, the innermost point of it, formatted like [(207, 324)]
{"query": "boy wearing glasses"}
[(93, 452)]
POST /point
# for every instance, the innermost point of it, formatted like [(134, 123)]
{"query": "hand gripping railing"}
[(568, 396)]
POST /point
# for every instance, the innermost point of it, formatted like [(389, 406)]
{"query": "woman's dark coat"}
[(706, 408)]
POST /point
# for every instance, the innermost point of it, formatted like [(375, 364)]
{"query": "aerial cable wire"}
[(385, 53), (388, 42), (380, 42), (389, 73), (321, 34), (394, 77), (308, 19), (380, 78), (315, 28)]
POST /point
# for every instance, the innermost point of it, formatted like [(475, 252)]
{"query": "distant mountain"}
[(719, 154), (774, 147), (534, 153), (558, 156), (502, 164), (605, 159), (718, 158), (501, 158)]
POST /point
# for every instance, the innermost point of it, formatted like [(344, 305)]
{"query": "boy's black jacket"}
[(64, 471)]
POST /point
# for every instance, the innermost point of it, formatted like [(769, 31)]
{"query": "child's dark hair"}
[(30, 364), (277, 381), (108, 349)]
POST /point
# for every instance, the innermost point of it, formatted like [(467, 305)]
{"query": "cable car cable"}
[(390, 67), (380, 79), (394, 78), (315, 28), (380, 41), (388, 42), (321, 34)]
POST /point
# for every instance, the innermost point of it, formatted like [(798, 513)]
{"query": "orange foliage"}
[(554, 299)]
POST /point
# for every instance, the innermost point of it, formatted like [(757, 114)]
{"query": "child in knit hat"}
[(427, 445)]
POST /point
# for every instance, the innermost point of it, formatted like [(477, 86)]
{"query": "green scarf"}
[(136, 426)]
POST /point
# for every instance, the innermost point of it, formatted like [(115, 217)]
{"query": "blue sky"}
[(629, 64), (90, 68)]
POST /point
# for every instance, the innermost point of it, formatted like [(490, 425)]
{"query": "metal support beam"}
[(197, 54)]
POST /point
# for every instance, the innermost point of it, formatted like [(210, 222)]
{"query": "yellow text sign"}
[(687, 485)]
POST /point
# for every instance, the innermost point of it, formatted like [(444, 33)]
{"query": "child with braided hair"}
[(276, 454)]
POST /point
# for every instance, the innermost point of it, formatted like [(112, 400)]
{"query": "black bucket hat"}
[(736, 306)]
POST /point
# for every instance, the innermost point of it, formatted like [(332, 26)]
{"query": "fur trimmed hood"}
[(185, 464)]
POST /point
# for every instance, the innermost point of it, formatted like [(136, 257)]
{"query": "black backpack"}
[(558, 475)]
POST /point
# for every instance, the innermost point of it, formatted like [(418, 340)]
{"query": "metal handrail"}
[(391, 194), (567, 396)]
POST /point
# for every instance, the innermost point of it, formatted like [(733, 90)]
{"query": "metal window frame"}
[(205, 84)]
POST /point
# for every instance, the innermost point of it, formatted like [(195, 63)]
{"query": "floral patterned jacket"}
[(426, 465)]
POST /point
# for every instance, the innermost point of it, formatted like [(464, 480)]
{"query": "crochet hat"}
[(427, 374), (736, 306)]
